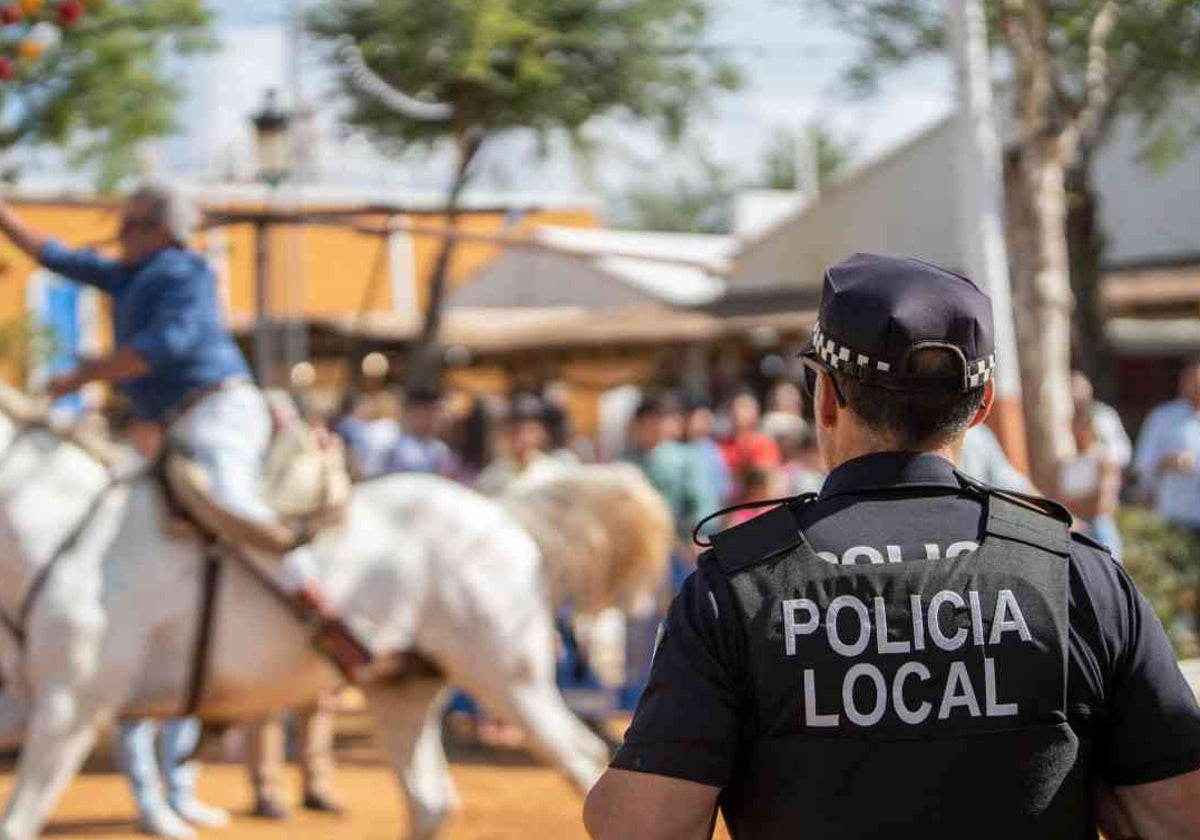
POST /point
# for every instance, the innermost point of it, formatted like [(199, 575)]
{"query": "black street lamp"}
[(271, 124)]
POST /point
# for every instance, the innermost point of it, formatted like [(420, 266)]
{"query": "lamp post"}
[(271, 124), (982, 212), (272, 143)]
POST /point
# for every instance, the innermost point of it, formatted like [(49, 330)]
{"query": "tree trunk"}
[(1042, 290), (424, 368), (1092, 353)]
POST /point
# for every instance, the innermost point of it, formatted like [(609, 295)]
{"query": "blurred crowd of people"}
[(703, 456)]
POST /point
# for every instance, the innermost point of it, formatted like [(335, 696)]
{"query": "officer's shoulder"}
[(1083, 544), (1028, 501), (1027, 517), (757, 540)]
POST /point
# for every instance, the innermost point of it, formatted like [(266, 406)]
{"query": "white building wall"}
[(905, 204), (1148, 215)]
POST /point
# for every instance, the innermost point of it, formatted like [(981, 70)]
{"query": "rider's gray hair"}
[(171, 207)]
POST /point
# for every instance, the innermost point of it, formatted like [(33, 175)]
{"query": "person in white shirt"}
[(983, 458), (1089, 483), (1107, 422), (1167, 456)]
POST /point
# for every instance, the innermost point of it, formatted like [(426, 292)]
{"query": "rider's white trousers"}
[(228, 432)]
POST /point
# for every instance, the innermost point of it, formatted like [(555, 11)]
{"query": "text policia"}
[(850, 637)]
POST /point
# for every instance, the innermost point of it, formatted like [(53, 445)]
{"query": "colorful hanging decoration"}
[(69, 12), (31, 28)]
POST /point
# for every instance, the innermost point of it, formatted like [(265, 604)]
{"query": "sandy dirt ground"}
[(503, 796), (498, 802)]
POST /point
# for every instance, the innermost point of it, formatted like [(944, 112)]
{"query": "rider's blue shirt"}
[(164, 307)]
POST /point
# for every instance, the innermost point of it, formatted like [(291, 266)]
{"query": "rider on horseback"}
[(184, 376)]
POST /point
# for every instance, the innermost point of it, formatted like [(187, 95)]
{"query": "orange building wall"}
[(315, 270)]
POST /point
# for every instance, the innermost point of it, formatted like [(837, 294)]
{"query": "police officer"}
[(910, 652)]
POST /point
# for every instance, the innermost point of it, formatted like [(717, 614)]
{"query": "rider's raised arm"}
[(20, 234), (81, 266)]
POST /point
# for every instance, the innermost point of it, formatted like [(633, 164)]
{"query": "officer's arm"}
[(1166, 809), (626, 804)]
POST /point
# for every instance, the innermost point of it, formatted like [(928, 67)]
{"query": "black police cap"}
[(877, 310)]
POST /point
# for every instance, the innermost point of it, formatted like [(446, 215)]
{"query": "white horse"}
[(420, 564)]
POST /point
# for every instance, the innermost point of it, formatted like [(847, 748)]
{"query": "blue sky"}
[(791, 61)]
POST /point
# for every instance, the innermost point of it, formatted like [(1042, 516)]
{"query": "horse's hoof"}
[(269, 808), (200, 815), (323, 803), (163, 822)]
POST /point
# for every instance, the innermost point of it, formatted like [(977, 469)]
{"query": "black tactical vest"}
[(920, 699)]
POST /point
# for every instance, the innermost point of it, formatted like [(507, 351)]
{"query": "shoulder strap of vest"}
[(762, 537), (1021, 517)]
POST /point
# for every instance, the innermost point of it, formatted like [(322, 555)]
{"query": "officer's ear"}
[(825, 406), (989, 397)]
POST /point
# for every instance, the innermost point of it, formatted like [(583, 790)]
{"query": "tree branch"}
[(365, 79), (1026, 31), (1097, 90), (1017, 31)]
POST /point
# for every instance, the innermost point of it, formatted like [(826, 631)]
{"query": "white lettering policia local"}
[(802, 617)]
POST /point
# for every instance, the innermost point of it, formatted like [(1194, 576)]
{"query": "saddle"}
[(305, 481)]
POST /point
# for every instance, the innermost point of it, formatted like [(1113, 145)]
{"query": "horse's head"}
[(44, 481), (17, 411)]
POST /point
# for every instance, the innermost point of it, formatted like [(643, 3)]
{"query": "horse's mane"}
[(29, 411), (20, 407), (604, 532)]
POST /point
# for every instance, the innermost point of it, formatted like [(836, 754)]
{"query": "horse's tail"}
[(604, 532)]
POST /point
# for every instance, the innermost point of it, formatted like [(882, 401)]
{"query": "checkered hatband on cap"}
[(839, 357), (980, 371), (843, 358)]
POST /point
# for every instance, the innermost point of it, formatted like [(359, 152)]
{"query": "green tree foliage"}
[(107, 87), (1075, 66), (25, 344), (833, 155), (536, 64), (1164, 561), (540, 65), (1153, 50), (700, 203)]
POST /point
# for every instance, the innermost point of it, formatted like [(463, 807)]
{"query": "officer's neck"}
[(848, 441)]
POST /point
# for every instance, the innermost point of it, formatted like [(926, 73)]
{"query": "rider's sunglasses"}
[(812, 371)]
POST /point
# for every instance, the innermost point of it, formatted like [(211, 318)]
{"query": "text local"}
[(802, 617)]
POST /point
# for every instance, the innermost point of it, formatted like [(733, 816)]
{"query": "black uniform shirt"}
[(1127, 700)]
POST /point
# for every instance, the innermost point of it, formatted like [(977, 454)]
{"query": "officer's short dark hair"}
[(918, 418)]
